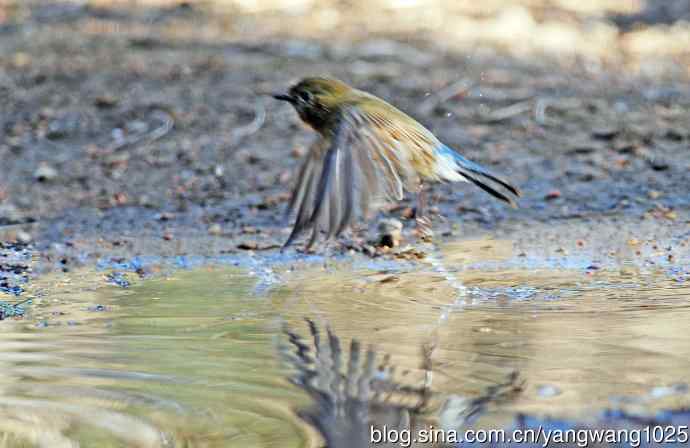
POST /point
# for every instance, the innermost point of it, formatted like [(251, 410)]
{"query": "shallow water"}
[(190, 359)]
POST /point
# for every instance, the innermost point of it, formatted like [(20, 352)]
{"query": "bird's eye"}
[(305, 96)]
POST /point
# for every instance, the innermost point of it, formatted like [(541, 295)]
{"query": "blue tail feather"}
[(469, 169)]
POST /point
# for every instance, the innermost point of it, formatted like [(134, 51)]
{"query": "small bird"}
[(356, 390), (367, 155)]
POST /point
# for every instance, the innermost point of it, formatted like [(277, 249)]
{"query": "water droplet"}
[(665, 391), (547, 390)]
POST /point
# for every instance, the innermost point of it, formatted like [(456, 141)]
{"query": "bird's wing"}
[(361, 168), (352, 394), (349, 393), (302, 200)]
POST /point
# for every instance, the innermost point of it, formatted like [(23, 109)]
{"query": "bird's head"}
[(315, 100)]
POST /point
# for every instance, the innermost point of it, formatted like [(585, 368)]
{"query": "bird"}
[(368, 154), (356, 390)]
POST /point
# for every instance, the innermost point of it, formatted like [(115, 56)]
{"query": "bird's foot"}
[(423, 230)]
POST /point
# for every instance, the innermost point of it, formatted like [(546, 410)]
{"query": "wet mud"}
[(145, 173)]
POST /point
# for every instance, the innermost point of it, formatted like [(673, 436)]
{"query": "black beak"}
[(283, 97)]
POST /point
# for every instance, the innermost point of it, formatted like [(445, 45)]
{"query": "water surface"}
[(190, 359)]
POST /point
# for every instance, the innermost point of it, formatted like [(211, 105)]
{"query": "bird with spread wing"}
[(355, 390), (368, 154)]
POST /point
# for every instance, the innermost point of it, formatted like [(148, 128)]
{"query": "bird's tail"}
[(482, 177)]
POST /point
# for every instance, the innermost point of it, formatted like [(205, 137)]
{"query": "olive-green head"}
[(316, 99)]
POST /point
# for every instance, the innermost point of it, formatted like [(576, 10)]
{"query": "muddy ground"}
[(133, 132), (140, 127)]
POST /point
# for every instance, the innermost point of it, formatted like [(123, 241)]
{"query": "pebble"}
[(45, 173), (248, 245), (553, 194), (298, 152), (23, 237), (215, 229), (390, 232)]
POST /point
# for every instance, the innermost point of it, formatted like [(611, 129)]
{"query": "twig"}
[(167, 123), (242, 132), (543, 104), (540, 110), (508, 112), (457, 88)]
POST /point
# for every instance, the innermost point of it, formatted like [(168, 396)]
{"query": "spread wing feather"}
[(345, 177)]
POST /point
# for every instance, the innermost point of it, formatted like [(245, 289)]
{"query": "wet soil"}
[(122, 123), (135, 141)]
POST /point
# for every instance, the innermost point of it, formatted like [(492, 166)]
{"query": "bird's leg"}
[(423, 222), (312, 239)]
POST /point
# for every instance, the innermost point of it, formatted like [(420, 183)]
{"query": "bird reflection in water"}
[(361, 397)]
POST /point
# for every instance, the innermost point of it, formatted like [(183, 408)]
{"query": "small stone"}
[(105, 101), (389, 279), (215, 229), (658, 164), (605, 133), (675, 135), (390, 232), (585, 147), (23, 237), (45, 173), (247, 156), (248, 245), (145, 201), (57, 129), (298, 152), (369, 250), (284, 177), (407, 213), (120, 198), (10, 213), (553, 194), (21, 59)]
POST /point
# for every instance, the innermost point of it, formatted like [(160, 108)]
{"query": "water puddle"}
[(190, 359)]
